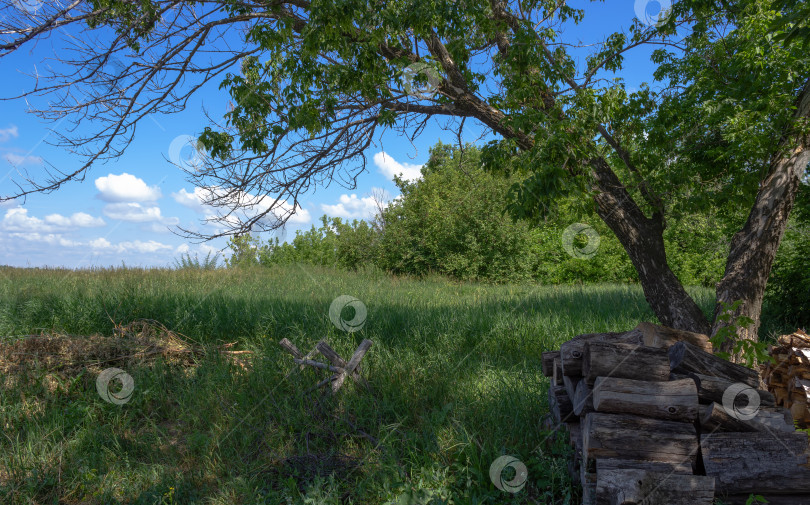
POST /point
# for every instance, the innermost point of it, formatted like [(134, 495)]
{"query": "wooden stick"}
[(352, 365), (290, 348), (317, 364)]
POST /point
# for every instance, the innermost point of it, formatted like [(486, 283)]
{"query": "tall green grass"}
[(454, 372)]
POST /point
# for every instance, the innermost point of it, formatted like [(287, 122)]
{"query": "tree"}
[(319, 77)]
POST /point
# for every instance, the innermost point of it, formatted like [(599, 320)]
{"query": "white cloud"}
[(182, 249), (49, 238), (9, 133), (390, 167), (18, 220), (138, 246), (150, 246), (249, 205), (78, 219), (126, 188), (134, 212), (351, 207), (17, 160), (193, 200)]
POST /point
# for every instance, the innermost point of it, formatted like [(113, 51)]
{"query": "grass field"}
[(454, 374)]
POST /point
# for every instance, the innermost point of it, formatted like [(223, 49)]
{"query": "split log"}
[(559, 403), (625, 361), (711, 389), (557, 376), (771, 499), (604, 464), (570, 383), (757, 462), (583, 399), (715, 417), (686, 358), (572, 352), (632, 437), (620, 487), (547, 365), (665, 337), (674, 400), (588, 482)]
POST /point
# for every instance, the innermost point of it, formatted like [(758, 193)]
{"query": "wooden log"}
[(604, 464), (547, 364), (665, 337), (757, 462), (712, 389), (630, 486), (716, 417), (687, 358), (625, 436), (674, 400), (588, 482), (560, 404), (624, 361), (572, 352), (583, 399), (570, 382), (771, 499), (557, 376)]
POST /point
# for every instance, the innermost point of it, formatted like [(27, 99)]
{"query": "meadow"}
[(454, 378)]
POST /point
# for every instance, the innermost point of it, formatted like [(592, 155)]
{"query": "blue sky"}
[(124, 210)]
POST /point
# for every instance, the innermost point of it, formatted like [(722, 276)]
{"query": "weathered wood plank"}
[(687, 358), (673, 400), (757, 462), (625, 361), (620, 487), (662, 336), (622, 436)]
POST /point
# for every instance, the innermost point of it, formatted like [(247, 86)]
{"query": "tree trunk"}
[(643, 239), (754, 247)]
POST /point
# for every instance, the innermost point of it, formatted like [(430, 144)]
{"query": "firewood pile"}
[(655, 418), (788, 377)]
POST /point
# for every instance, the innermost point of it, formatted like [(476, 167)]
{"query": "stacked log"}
[(788, 376), (655, 418)]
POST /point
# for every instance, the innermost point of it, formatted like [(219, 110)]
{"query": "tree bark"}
[(643, 239), (754, 247)]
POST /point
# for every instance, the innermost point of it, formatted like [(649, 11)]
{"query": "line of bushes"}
[(451, 222)]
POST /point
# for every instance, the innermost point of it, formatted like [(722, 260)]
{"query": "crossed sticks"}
[(341, 367)]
